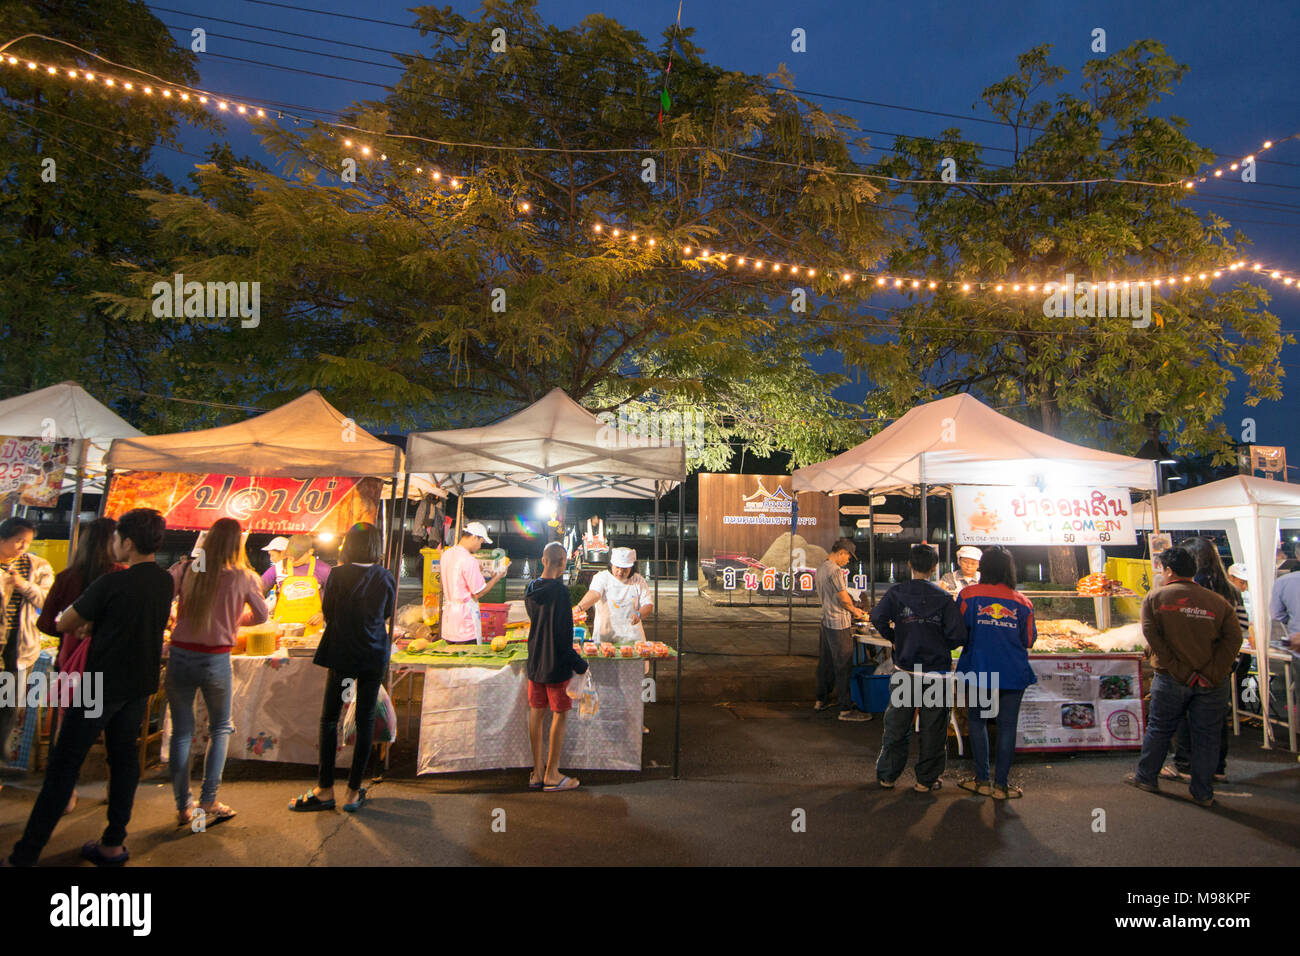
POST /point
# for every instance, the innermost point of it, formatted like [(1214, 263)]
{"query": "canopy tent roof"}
[(1251, 510), (1213, 504), (307, 437), (960, 440), (65, 410), (554, 446)]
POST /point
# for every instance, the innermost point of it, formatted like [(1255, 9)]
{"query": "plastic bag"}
[(410, 614), (385, 721), (589, 702), (886, 665)]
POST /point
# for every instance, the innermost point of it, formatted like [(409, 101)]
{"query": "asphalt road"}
[(751, 773)]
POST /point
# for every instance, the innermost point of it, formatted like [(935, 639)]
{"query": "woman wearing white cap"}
[(968, 570), (463, 585), (621, 597)]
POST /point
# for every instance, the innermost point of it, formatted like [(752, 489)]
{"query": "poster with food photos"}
[(1082, 702)]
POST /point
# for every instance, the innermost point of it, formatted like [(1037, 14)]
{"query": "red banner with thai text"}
[(273, 505)]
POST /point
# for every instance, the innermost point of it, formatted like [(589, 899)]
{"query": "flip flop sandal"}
[(219, 813), (924, 788), (361, 799), (1007, 793), (978, 787), (185, 817), (536, 785), (564, 784), (1171, 773), (885, 784), (91, 851), (310, 803)]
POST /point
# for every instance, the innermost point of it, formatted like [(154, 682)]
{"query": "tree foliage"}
[(1088, 379), (382, 291)]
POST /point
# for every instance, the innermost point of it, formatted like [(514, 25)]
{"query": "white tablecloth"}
[(275, 707), (476, 718)]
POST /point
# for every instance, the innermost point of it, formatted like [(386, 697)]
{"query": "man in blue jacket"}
[(922, 622)]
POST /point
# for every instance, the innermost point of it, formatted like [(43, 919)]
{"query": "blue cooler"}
[(870, 691)]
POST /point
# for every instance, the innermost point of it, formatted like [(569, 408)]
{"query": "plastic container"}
[(262, 643), (494, 619), (870, 692)]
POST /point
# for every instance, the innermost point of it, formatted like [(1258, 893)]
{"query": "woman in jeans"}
[(94, 558), (360, 596), (215, 586), (1000, 624)]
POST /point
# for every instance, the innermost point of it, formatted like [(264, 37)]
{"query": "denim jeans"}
[(120, 721), (1203, 707), (8, 714), (933, 742), (1008, 717), (835, 665), (187, 673), (1183, 738), (366, 690)]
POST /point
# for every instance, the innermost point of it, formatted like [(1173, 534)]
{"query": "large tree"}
[(413, 302), (1098, 380), (74, 157)]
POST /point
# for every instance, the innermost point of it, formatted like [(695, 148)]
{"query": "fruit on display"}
[(499, 643), (417, 645)]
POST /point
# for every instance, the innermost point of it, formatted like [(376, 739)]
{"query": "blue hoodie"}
[(921, 620)]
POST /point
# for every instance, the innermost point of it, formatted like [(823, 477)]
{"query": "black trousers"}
[(366, 691), (9, 655), (120, 722)]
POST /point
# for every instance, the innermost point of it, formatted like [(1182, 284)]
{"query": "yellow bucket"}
[(261, 642)]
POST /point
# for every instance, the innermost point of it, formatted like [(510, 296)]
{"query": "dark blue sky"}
[(1239, 91)]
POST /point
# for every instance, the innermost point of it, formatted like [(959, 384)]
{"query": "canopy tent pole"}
[(397, 558), (103, 499), (74, 525), (391, 512), (681, 594), (871, 546), (789, 591), (925, 493), (654, 566), (951, 527), (460, 509)]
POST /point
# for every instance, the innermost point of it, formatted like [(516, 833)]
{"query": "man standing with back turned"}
[(1194, 639), (835, 649)]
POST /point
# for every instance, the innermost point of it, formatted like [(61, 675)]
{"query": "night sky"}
[(1239, 91)]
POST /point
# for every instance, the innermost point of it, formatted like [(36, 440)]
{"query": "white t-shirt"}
[(619, 600), (461, 579)]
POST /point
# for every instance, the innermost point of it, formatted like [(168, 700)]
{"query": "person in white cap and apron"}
[(621, 598), (968, 570), (463, 585)]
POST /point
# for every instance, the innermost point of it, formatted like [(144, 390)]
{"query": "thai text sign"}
[(32, 469), (996, 514), (275, 505)]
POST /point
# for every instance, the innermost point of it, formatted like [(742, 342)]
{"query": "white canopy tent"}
[(307, 437), (960, 440), (304, 438), (68, 411), (555, 447), (1251, 510)]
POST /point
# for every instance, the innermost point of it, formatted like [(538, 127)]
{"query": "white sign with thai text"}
[(997, 514)]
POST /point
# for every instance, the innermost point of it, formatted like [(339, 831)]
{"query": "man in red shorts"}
[(551, 662)]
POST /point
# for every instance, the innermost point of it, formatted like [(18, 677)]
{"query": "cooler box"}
[(870, 691), (494, 618)]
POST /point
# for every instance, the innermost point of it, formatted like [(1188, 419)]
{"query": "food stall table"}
[(474, 714), (275, 707)]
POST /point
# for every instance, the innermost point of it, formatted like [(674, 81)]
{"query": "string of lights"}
[(699, 256)]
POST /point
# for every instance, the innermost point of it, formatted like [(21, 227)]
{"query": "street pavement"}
[(762, 783)]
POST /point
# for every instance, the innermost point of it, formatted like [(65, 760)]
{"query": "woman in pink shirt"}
[(215, 586)]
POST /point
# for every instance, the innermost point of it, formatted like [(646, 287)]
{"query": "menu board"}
[(31, 470), (1082, 702)]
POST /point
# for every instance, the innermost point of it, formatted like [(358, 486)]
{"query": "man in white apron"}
[(463, 585), (621, 598)]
